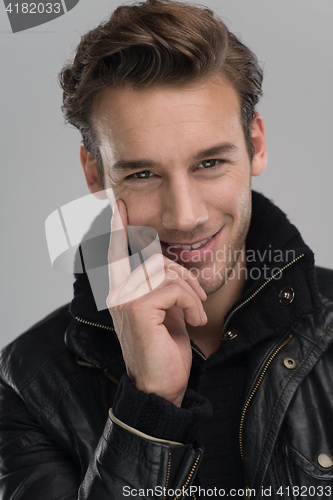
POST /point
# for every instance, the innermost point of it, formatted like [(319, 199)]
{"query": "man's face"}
[(178, 159)]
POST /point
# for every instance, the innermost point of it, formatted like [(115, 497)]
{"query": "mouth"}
[(195, 252), (190, 247)]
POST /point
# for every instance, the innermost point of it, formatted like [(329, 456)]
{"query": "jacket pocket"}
[(300, 476), (311, 466)]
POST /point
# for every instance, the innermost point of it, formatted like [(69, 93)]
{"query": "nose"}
[(183, 205)]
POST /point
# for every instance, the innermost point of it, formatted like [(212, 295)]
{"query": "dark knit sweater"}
[(214, 400)]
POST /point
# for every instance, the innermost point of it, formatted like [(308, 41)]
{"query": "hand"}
[(151, 325)]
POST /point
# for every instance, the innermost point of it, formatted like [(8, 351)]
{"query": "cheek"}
[(138, 207), (232, 195), (141, 210)]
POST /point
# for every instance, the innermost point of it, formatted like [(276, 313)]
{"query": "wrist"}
[(158, 417)]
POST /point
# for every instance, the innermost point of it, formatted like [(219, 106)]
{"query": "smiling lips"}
[(191, 247), (184, 254)]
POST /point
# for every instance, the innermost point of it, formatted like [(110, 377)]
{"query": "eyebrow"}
[(220, 149)]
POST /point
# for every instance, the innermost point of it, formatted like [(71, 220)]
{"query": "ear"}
[(259, 161), (89, 166)]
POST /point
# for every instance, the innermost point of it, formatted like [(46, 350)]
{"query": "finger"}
[(154, 306), (189, 277), (137, 280), (123, 295), (173, 277), (137, 284), (156, 262), (129, 293), (119, 264), (132, 288), (174, 295)]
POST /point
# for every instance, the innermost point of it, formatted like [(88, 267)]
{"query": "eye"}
[(209, 163), (144, 174), (142, 177)]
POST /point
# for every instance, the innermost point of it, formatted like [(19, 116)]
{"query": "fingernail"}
[(203, 292)]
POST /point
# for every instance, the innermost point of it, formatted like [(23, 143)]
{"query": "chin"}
[(212, 286), (211, 278), (214, 276)]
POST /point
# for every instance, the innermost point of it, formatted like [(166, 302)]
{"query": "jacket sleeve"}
[(34, 466), (141, 466)]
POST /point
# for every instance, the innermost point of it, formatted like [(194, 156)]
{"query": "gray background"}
[(40, 168)]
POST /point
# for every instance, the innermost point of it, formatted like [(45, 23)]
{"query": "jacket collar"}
[(273, 244), (96, 344)]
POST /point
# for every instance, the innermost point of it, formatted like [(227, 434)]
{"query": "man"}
[(219, 378)]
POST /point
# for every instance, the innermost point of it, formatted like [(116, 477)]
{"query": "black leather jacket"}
[(55, 400)]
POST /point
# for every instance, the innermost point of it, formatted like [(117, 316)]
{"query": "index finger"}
[(118, 258)]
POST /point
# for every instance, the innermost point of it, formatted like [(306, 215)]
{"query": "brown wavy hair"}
[(156, 42)]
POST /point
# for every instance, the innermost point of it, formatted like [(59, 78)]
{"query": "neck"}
[(217, 305)]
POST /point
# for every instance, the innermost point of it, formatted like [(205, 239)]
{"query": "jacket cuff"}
[(142, 435), (125, 461), (157, 417)]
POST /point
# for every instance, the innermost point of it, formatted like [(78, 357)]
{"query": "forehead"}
[(162, 121)]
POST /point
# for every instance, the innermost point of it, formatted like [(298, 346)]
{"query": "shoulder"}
[(43, 387), (21, 360), (325, 281)]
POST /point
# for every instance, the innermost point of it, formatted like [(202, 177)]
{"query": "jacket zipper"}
[(241, 428), (199, 353), (82, 362), (187, 480), (106, 327), (168, 475), (98, 325)]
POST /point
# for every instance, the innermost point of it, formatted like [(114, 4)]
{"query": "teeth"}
[(193, 247), (184, 247), (197, 245)]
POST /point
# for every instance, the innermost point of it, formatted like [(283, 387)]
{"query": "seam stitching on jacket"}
[(315, 343)]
